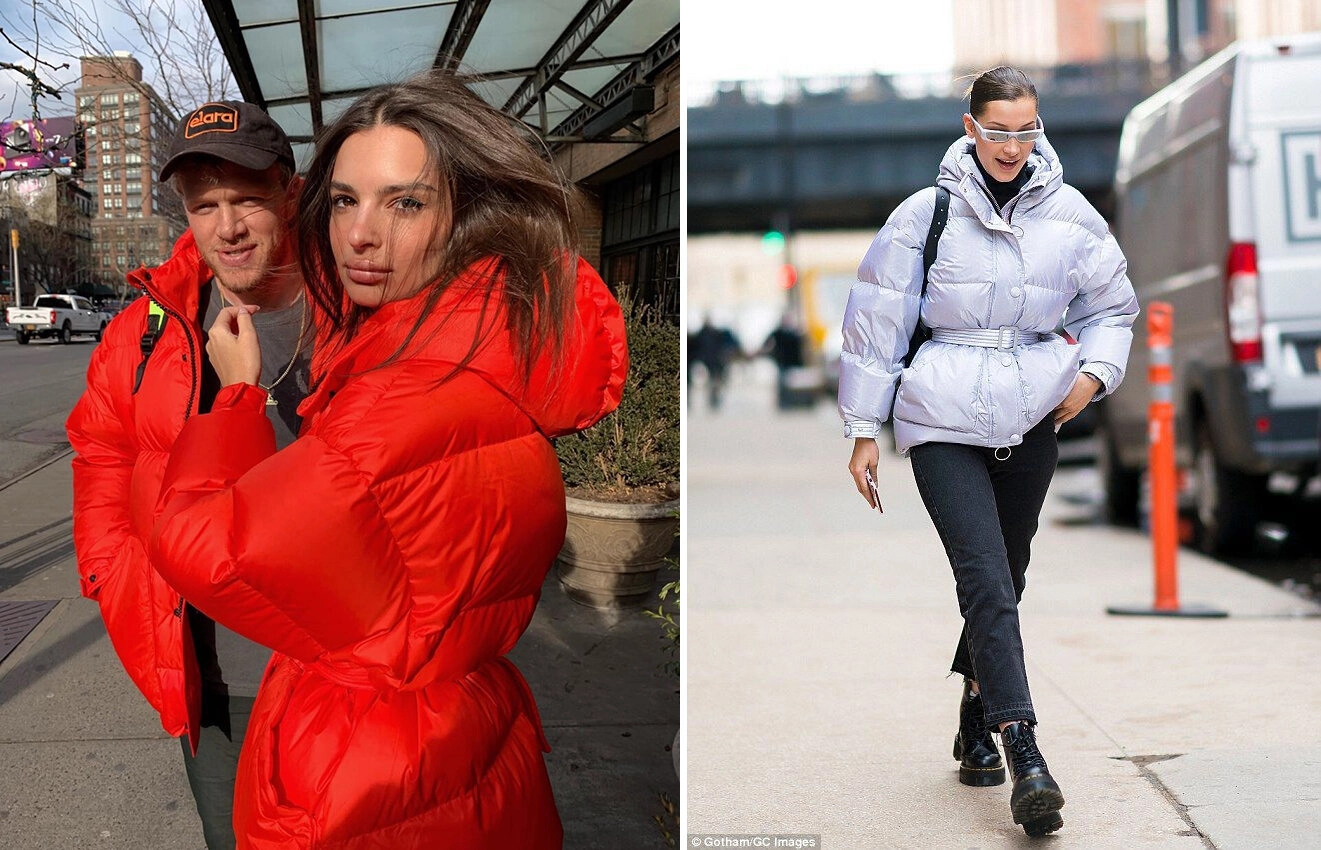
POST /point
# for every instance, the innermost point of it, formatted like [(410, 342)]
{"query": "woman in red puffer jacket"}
[(395, 552)]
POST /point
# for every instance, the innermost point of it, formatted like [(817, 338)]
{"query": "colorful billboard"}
[(46, 143)]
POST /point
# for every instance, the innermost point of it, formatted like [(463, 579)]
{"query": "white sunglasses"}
[(1001, 136)]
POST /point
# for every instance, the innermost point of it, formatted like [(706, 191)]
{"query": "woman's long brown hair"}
[(507, 205)]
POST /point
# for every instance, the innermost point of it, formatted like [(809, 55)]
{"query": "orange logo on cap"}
[(212, 118)]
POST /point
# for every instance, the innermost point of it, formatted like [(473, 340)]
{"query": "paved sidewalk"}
[(84, 763), (820, 633)]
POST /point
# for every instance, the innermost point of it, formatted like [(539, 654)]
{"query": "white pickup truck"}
[(57, 315)]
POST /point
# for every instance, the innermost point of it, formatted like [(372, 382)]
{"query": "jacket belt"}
[(1005, 338)]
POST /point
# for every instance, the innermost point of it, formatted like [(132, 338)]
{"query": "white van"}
[(1218, 209)]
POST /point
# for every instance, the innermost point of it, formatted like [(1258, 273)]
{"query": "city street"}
[(39, 383), (819, 644)]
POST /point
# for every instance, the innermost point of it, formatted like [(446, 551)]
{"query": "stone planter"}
[(612, 551)]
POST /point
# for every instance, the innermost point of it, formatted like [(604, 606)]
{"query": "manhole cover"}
[(17, 620), (43, 436)]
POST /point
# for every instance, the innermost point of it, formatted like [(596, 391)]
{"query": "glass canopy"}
[(567, 68)]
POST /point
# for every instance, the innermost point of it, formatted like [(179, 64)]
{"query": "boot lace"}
[(972, 725), (1023, 750)]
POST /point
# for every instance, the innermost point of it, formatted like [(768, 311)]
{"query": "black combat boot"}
[(979, 760), (1036, 800)]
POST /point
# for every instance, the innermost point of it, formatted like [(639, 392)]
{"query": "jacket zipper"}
[(187, 329)]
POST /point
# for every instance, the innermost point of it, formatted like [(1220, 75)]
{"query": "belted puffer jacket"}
[(391, 556), (1047, 254)]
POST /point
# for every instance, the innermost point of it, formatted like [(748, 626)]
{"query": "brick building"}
[(126, 135)]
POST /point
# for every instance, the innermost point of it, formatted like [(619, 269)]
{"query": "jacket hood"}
[(562, 395), (959, 172)]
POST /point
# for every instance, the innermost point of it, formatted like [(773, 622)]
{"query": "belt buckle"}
[(1007, 338)]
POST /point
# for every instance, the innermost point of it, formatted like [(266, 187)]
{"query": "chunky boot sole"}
[(1043, 826), (978, 777), (1038, 811)]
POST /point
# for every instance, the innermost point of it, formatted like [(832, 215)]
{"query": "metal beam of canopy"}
[(463, 25), (577, 37), (307, 30), (656, 56)]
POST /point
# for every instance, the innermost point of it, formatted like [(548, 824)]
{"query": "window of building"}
[(130, 97), (134, 204), (133, 173), (133, 159), (106, 204), (119, 203), (111, 99), (86, 100), (110, 114), (133, 188), (112, 159), (640, 233), (132, 128), (105, 144), (120, 258)]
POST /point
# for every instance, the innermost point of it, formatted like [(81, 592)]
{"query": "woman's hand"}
[(865, 457), (232, 347), (1084, 388)]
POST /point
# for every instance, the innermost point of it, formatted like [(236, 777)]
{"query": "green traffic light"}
[(772, 242)]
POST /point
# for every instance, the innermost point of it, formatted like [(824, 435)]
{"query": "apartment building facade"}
[(126, 135)]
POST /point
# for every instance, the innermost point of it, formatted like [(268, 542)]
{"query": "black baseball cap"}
[(234, 131)]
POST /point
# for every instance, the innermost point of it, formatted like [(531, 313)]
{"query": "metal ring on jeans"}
[(1008, 451)]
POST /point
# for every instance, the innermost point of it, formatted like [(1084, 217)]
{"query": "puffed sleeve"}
[(1101, 315), (881, 315)]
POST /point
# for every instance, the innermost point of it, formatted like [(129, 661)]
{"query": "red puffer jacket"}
[(123, 439), (391, 556)]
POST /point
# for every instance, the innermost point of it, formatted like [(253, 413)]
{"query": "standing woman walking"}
[(978, 410)]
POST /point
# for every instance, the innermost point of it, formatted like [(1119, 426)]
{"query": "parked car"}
[(1218, 191), (62, 316)]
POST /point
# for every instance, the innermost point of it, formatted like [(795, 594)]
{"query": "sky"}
[(762, 40)]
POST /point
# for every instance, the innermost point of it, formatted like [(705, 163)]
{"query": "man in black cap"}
[(234, 169)]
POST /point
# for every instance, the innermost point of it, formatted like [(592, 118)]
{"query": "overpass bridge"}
[(846, 156)]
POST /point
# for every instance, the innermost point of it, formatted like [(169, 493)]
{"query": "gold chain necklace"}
[(298, 348)]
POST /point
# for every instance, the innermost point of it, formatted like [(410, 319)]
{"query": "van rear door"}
[(1283, 123)]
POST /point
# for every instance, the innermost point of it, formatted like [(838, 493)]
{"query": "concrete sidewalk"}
[(84, 763), (819, 636)]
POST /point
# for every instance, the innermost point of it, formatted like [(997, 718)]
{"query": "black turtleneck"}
[(1003, 191)]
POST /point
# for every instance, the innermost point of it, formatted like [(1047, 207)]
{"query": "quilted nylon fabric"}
[(122, 441), (391, 556), (1049, 254)]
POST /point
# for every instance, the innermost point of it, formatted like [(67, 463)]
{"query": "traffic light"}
[(772, 242), (788, 276)]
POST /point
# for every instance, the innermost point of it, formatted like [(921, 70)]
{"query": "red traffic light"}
[(788, 276)]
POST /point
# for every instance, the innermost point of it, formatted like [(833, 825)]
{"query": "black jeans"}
[(212, 771), (986, 512)]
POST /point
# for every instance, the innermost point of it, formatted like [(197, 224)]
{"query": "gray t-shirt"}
[(288, 364)]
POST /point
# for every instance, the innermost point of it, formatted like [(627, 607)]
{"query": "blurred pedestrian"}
[(785, 348), (715, 348), (394, 553), (978, 410)]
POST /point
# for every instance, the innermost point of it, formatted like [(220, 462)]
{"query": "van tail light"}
[(1242, 304), (52, 317)]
